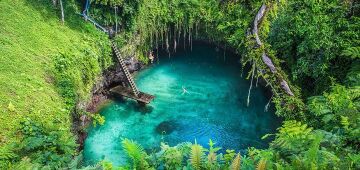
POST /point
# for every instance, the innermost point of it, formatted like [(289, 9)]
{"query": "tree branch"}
[(259, 16)]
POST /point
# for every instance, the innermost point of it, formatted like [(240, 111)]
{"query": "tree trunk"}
[(116, 22), (62, 12)]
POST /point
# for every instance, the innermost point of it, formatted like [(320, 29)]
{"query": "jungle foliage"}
[(296, 146), (46, 69), (314, 45)]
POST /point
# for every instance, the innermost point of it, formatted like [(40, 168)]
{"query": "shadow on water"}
[(213, 107)]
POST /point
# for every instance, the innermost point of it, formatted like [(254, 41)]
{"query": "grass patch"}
[(46, 67)]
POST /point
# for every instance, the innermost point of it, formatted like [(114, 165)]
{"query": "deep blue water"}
[(214, 107)]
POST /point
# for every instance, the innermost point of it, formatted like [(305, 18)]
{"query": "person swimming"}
[(184, 90)]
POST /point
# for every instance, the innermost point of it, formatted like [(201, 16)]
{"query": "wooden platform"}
[(127, 92)]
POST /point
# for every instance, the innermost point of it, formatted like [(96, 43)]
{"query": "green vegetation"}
[(293, 137), (47, 68), (296, 146), (324, 36)]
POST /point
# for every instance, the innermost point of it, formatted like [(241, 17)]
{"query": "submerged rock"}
[(166, 127), (144, 109)]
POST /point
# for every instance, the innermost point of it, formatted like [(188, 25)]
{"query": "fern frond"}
[(184, 148), (352, 52), (76, 161), (261, 165), (196, 156), (26, 164), (292, 133), (329, 156), (313, 152), (6, 153), (135, 152), (236, 163), (345, 122)]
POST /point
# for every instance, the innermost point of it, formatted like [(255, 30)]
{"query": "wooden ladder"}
[(124, 68)]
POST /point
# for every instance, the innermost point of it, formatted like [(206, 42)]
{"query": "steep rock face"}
[(111, 77), (100, 93)]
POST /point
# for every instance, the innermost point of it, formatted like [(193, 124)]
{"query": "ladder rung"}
[(125, 69)]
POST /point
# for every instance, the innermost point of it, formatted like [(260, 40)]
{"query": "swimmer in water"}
[(184, 90)]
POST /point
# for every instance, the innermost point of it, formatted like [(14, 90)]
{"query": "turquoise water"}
[(214, 107)]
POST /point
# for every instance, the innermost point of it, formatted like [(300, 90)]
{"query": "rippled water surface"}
[(214, 106)]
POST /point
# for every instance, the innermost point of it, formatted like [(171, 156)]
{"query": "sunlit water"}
[(214, 107)]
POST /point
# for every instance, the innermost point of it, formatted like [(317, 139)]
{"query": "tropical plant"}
[(39, 147), (352, 52), (110, 2), (292, 136), (97, 119), (197, 156), (212, 156), (171, 156), (261, 165), (337, 112), (7, 155), (229, 156), (236, 163), (136, 154)]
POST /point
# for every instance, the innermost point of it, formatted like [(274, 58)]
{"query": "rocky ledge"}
[(111, 77), (100, 93)]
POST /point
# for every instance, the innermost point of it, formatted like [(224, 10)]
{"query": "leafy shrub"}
[(136, 154), (97, 119), (44, 146)]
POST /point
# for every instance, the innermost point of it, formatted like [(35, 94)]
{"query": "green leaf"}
[(266, 136), (327, 118), (11, 107)]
